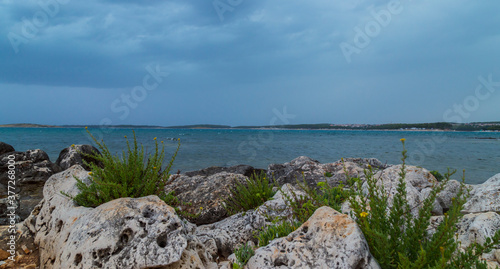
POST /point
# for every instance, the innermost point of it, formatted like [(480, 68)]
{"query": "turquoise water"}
[(476, 152)]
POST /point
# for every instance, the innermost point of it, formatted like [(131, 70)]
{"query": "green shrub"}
[(437, 175), (255, 191), (276, 231), (243, 255), (130, 175), (303, 206), (398, 239)]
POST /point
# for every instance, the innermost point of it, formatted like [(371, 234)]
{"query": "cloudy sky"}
[(246, 62)]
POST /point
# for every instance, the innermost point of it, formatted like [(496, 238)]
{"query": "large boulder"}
[(328, 239), (224, 237), (123, 233), (204, 196), (76, 155), (312, 171), (484, 197), (32, 169), (5, 148)]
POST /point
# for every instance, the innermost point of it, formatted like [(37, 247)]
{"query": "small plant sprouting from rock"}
[(130, 175), (437, 175), (275, 231), (243, 255), (255, 191)]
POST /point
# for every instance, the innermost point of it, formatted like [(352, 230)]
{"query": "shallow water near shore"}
[(476, 152)]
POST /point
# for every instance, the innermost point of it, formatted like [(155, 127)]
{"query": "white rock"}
[(123, 233), (327, 240), (484, 197), (224, 237)]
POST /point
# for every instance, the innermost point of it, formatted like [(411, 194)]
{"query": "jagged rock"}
[(242, 169), (475, 227), (73, 155), (484, 197), (123, 233), (418, 183), (327, 240), (224, 237), (204, 195), (443, 201), (32, 169), (5, 148), (312, 171)]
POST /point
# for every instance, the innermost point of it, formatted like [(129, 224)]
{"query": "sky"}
[(248, 62)]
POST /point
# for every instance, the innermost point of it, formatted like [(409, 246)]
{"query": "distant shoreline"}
[(407, 127)]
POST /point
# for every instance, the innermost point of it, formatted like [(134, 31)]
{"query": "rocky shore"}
[(53, 232)]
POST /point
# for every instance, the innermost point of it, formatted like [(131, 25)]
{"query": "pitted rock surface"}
[(205, 195), (328, 239), (311, 171), (123, 233), (32, 169), (484, 197), (76, 155)]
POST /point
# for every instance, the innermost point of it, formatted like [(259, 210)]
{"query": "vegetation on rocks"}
[(398, 239), (130, 175), (250, 194), (243, 254)]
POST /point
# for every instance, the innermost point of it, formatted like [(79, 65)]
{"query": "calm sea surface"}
[(476, 152)]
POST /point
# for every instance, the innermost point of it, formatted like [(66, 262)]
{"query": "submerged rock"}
[(123, 233), (32, 169), (328, 239), (73, 155)]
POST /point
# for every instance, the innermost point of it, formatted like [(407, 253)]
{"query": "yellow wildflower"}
[(90, 173), (178, 139), (154, 138), (402, 140), (73, 145), (86, 127), (201, 208), (363, 214), (154, 167), (125, 136), (162, 142)]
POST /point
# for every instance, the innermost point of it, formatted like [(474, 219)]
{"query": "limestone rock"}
[(312, 171), (73, 155), (419, 182), (5, 148), (207, 193), (475, 227), (224, 237), (484, 197), (327, 240), (32, 169), (123, 233)]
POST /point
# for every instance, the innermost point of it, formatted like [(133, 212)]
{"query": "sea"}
[(476, 153)]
